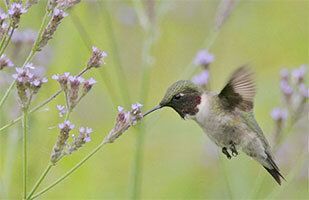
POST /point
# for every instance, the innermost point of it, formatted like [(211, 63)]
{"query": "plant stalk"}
[(79, 164), (25, 133)]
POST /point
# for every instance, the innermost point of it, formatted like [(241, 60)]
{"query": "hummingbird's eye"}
[(178, 96)]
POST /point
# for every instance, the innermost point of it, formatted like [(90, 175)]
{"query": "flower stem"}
[(37, 184), (24, 125), (68, 173)]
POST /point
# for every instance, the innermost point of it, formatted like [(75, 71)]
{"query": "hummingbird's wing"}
[(239, 91)]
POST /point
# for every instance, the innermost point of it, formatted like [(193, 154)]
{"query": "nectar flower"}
[(201, 79), (124, 120), (97, 58), (279, 114), (15, 11), (204, 58), (5, 62)]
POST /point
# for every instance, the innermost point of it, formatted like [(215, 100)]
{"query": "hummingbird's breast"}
[(221, 126)]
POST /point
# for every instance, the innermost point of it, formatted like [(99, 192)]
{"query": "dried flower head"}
[(204, 58), (49, 31), (60, 145), (27, 84), (202, 78), (15, 11), (63, 80), (124, 120), (71, 85), (97, 58), (75, 82), (5, 62), (88, 85)]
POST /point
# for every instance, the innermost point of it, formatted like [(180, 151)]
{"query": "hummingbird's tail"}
[(274, 171)]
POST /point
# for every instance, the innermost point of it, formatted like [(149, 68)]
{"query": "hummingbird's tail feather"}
[(274, 172)]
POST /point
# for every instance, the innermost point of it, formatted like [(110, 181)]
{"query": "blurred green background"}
[(179, 162)]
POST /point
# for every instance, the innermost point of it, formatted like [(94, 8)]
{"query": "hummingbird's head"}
[(183, 96)]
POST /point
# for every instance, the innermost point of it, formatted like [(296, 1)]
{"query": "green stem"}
[(122, 79), (6, 42), (42, 177), (24, 125), (4, 39), (70, 171), (149, 30)]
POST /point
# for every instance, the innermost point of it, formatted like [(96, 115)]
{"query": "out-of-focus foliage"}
[(178, 159)]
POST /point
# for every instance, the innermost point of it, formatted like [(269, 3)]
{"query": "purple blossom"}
[(66, 126), (5, 62), (15, 11), (201, 79), (279, 114), (97, 58), (62, 110), (85, 134), (286, 88), (299, 74), (136, 106), (204, 58)]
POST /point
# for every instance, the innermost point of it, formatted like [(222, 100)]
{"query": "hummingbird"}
[(226, 117)]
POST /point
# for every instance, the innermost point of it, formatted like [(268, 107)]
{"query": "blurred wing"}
[(239, 92)]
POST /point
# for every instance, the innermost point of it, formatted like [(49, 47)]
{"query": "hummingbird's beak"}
[(154, 109)]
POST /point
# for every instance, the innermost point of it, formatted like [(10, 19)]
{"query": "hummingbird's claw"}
[(224, 150), (233, 149)]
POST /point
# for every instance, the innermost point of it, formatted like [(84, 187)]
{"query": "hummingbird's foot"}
[(233, 149), (224, 150)]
